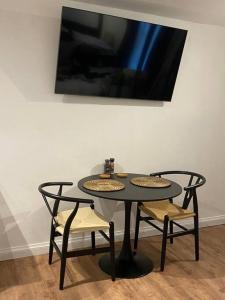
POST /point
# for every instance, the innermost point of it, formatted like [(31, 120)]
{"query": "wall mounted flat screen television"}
[(103, 55)]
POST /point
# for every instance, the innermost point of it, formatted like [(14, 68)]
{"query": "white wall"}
[(54, 137)]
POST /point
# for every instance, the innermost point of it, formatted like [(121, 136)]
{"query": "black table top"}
[(132, 192)]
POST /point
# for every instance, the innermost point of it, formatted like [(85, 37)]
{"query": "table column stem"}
[(126, 251)]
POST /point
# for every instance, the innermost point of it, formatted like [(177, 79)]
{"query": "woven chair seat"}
[(159, 209), (86, 219)]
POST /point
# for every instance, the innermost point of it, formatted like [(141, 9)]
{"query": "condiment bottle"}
[(112, 165), (107, 166)]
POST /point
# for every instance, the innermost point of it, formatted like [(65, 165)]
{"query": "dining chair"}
[(76, 220), (168, 213)]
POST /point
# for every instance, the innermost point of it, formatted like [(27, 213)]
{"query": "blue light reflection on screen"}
[(151, 46), (143, 46)]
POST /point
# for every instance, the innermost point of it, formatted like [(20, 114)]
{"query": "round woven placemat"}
[(150, 182), (104, 185)]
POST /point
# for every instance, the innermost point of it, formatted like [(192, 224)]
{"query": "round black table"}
[(129, 265)]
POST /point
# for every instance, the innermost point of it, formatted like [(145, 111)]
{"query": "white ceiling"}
[(200, 11)]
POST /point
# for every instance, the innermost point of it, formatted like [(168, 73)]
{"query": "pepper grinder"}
[(111, 161), (107, 166)]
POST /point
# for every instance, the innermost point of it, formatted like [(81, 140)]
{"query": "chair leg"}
[(50, 252), (93, 242), (171, 231), (63, 260), (196, 227), (112, 250), (137, 228), (52, 236), (164, 241)]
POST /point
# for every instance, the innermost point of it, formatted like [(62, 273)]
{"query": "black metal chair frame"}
[(64, 254), (190, 195)]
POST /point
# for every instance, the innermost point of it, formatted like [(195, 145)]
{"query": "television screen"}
[(103, 55)]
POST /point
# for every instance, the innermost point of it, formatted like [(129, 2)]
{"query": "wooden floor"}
[(32, 278)]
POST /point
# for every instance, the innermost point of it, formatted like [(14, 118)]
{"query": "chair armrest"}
[(59, 197), (201, 180), (194, 186), (164, 173), (41, 186), (65, 198), (71, 199)]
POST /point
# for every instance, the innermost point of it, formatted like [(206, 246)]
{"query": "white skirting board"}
[(42, 248)]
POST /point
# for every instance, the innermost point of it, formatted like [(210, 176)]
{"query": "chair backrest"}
[(58, 197), (194, 181)]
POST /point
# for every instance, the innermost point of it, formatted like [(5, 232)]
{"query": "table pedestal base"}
[(137, 267)]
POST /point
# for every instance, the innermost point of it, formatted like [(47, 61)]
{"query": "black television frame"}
[(58, 91)]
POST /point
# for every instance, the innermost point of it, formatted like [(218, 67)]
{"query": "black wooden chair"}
[(84, 219), (166, 212)]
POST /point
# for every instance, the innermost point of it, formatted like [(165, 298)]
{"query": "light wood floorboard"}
[(32, 278)]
